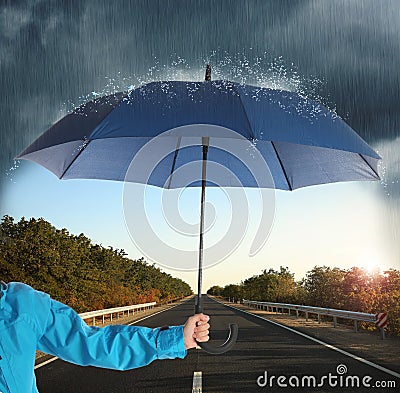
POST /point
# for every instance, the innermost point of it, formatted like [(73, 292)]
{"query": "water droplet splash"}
[(12, 170), (260, 70)]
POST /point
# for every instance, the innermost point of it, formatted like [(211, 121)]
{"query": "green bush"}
[(351, 289), (77, 272)]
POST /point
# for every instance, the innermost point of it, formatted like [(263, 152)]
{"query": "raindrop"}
[(11, 171)]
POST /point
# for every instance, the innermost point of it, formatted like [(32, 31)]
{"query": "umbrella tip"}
[(208, 72)]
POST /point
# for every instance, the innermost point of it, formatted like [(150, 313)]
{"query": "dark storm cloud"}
[(53, 52), (33, 70), (355, 46)]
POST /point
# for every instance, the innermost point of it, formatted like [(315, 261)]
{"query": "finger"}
[(202, 334), (201, 317), (203, 339), (202, 328), (204, 317)]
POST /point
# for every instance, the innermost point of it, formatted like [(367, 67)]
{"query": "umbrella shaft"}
[(205, 143)]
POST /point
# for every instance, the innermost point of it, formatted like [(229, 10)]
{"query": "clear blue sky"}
[(337, 225)]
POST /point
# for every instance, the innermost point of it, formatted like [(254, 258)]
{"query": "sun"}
[(371, 264)]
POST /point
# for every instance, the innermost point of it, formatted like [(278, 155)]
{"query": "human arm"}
[(117, 347)]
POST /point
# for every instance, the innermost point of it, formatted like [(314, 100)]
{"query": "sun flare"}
[(371, 264)]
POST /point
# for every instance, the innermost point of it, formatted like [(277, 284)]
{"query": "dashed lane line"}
[(197, 383)]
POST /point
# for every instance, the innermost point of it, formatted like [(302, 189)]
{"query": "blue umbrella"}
[(301, 142)]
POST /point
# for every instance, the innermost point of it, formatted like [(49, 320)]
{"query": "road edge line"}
[(330, 346), (156, 313)]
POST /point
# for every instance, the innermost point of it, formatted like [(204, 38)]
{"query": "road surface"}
[(266, 358)]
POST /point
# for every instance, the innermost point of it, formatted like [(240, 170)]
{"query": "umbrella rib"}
[(245, 113), (83, 147), (372, 169), (178, 144), (282, 167)]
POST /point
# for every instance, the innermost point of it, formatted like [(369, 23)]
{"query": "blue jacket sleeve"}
[(117, 347)]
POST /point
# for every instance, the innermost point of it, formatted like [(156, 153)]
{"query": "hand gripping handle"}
[(227, 345)]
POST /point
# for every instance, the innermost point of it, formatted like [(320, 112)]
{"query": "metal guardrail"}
[(334, 313), (116, 311)]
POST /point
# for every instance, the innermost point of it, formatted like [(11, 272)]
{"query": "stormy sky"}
[(344, 53)]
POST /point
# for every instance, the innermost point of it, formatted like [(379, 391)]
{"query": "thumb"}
[(201, 317)]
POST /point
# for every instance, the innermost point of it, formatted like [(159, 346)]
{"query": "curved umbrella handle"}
[(227, 345)]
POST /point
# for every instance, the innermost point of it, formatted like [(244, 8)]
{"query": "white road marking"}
[(55, 358), (197, 384), (152, 315), (360, 359), (44, 363)]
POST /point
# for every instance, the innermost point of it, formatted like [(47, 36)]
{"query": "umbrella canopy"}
[(261, 137), (301, 141)]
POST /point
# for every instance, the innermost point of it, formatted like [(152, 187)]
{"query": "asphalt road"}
[(262, 349)]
